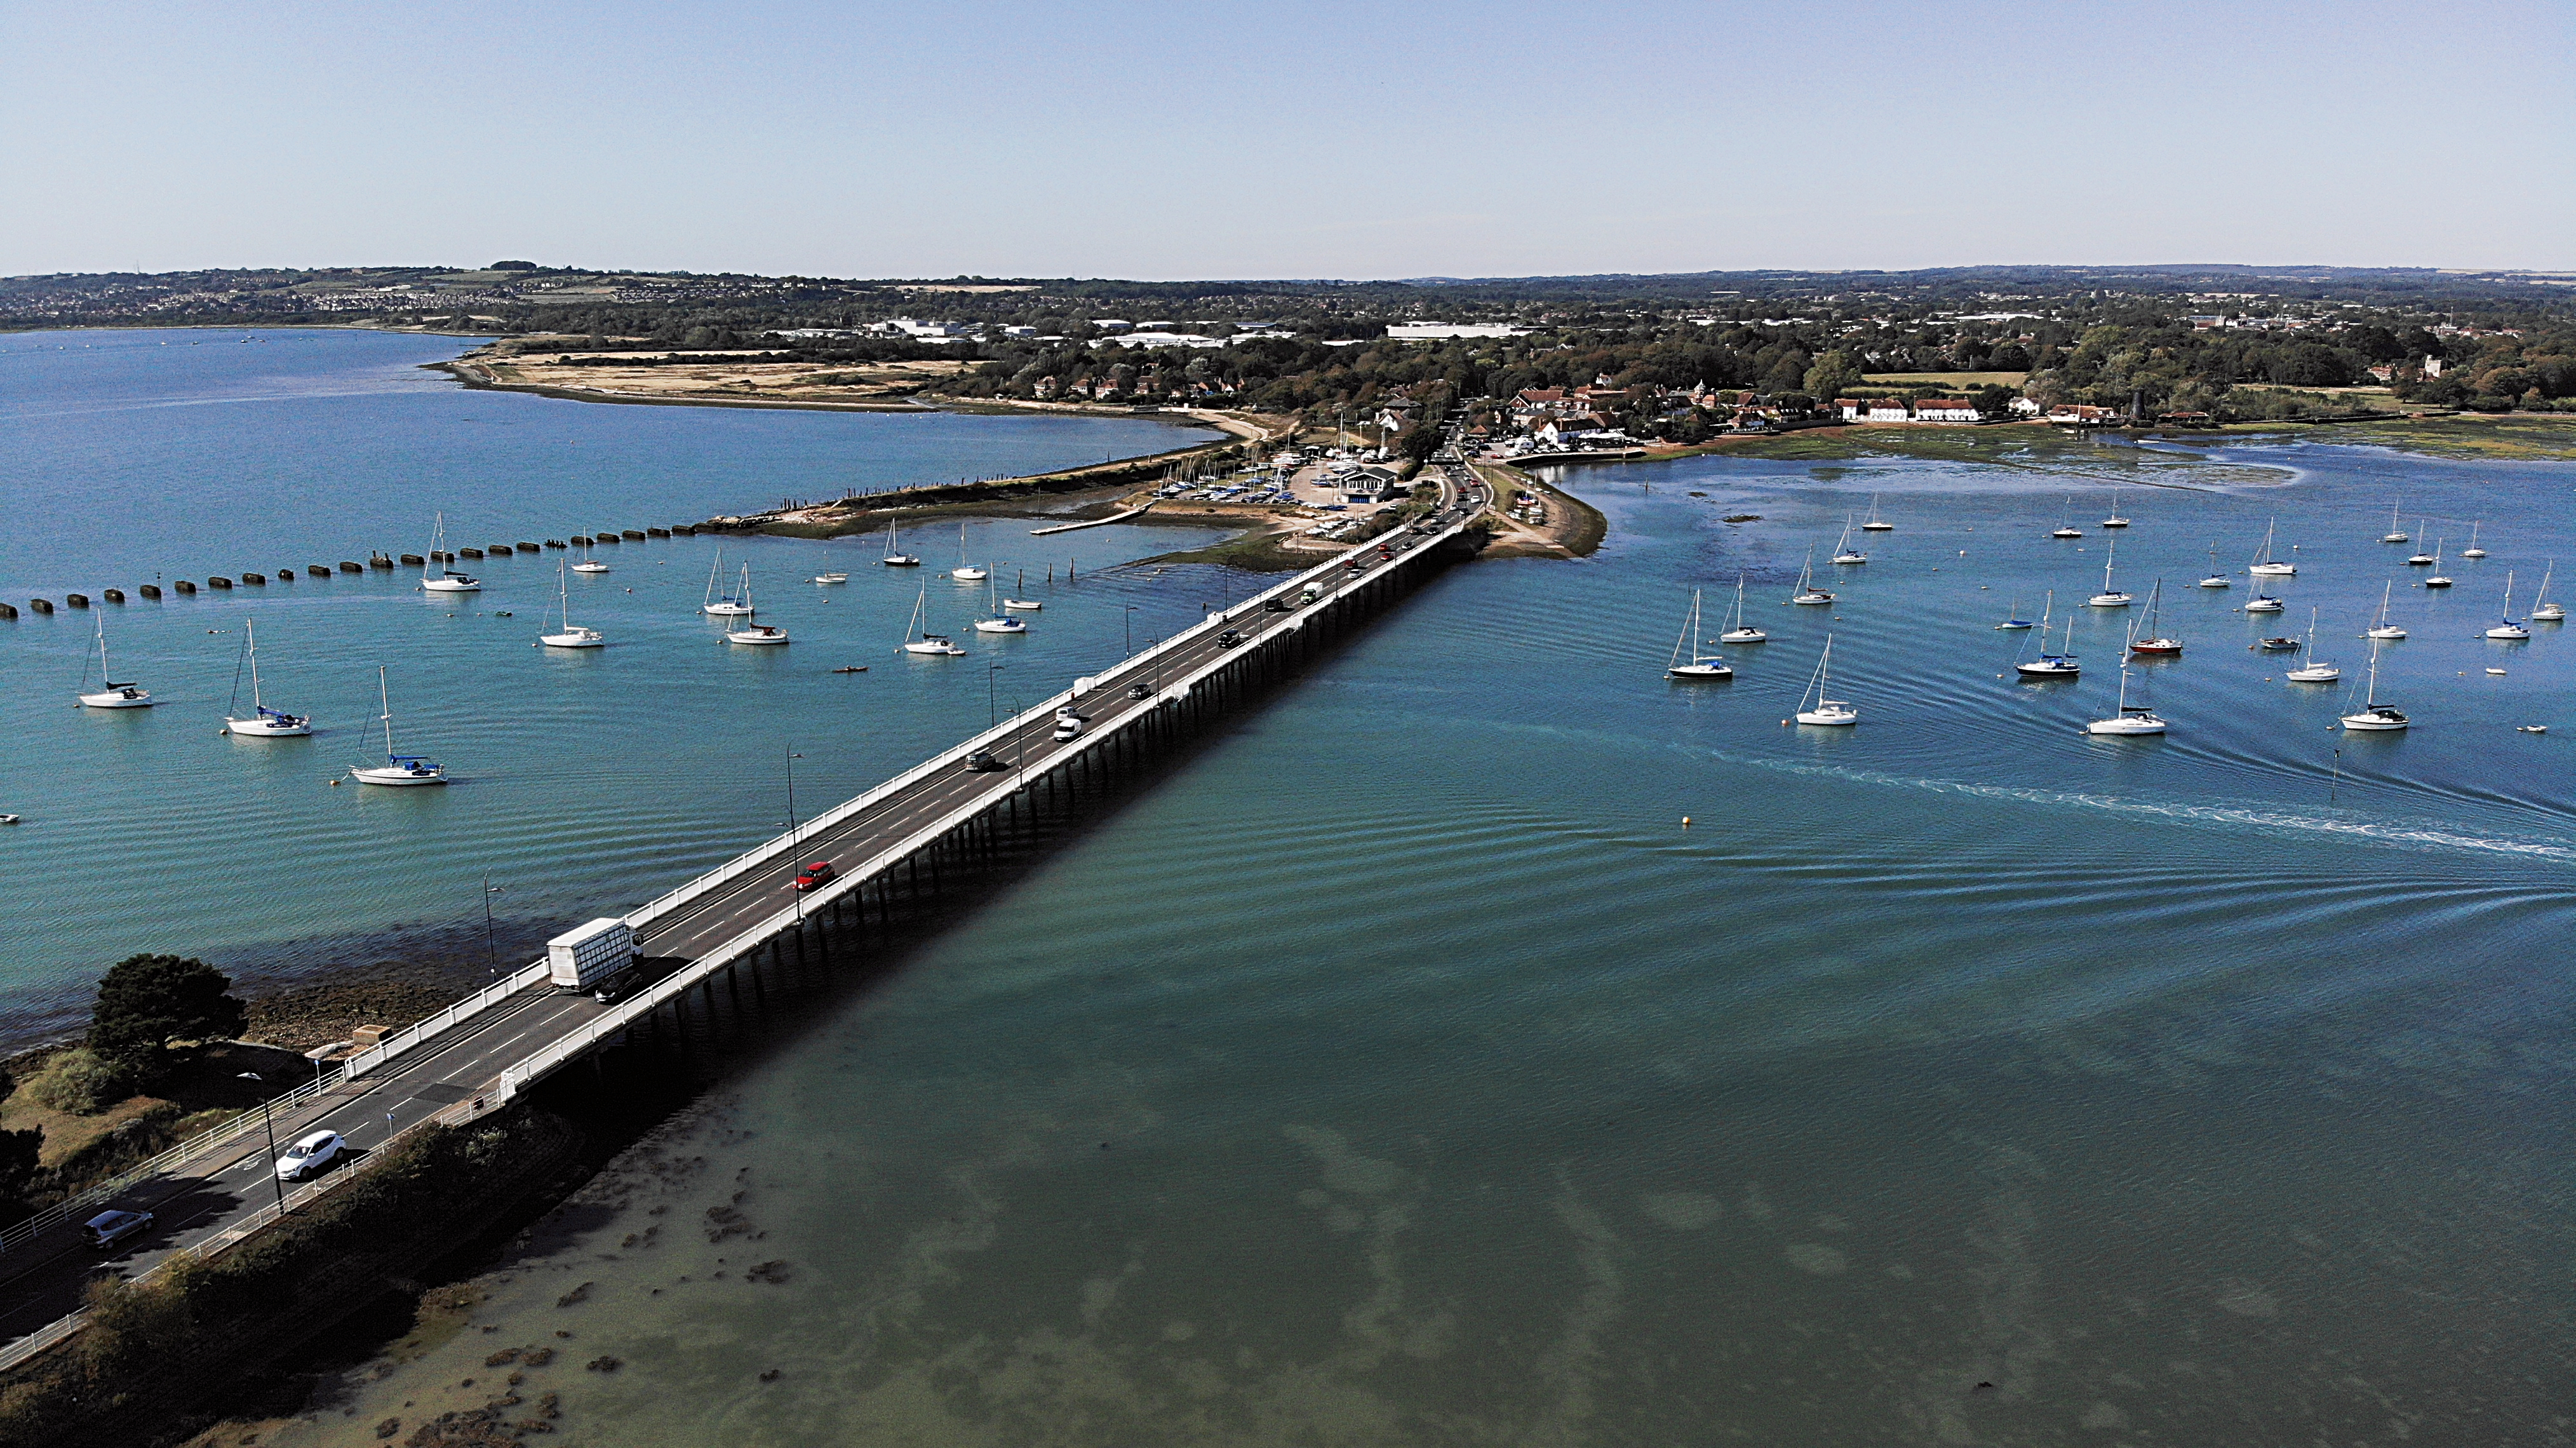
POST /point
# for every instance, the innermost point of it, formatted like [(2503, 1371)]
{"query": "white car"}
[(1067, 728), (310, 1155)]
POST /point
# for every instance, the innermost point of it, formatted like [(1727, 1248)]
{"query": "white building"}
[(1889, 409), (1944, 409), (1446, 331)]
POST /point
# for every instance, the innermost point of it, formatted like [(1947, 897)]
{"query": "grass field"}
[(2503, 437)]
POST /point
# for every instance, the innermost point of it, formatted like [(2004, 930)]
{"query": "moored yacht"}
[(2439, 579), (2267, 566), (2129, 718), (2473, 550), (398, 769), (736, 604), (2109, 597), (2374, 716), (2394, 534), (1872, 523), (110, 694), (1687, 661), (2315, 670), (1741, 633), (444, 579), (2542, 610), (2383, 629), (1808, 592), (264, 722), (1831, 713), (2047, 665), (2214, 578), (2511, 628), (573, 635), (2155, 643), (1846, 555), (917, 640)]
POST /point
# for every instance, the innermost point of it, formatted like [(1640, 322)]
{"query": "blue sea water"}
[(1403, 1069)]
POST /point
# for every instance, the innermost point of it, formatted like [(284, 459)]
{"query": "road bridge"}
[(893, 846)]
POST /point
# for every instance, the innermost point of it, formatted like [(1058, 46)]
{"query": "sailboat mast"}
[(384, 701), (250, 635)]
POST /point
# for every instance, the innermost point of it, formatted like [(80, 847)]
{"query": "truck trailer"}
[(580, 958)]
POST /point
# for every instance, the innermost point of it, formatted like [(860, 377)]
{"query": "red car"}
[(813, 875)]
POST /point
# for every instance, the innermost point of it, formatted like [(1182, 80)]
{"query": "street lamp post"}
[(271, 1132)]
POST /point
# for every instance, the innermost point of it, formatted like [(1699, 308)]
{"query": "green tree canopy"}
[(148, 1001)]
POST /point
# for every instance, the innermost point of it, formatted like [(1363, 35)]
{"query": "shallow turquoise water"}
[(582, 781), (1402, 1071)]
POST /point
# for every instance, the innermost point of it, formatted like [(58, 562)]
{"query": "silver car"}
[(310, 1155)]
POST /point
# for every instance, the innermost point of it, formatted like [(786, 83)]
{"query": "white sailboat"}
[(997, 620), (2156, 643), (110, 694), (444, 579), (2047, 665), (2267, 566), (2511, 628), (965, 572), (1832, 713), (2473, 550), (573, 636), (2214, 578), (2542, 610), (2013, 621), (589, 564), (2419, 559), (2383, 629), (1872, 524), (1687, 661), (726, 605), (1808, 592), (2115, 520), (2394, 534), (2066, 527), (753, 634), (1741, 634), (2264, 603), (2439, 579), (2374, 716), (263, 722), (2315, 670), (2129, 718), (2109, 597), (917, 640), (398, 769), (1845, 554), (895, 557)]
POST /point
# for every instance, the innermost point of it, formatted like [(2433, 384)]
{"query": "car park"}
[(310, 1154), (109, 1228), (814, 875)]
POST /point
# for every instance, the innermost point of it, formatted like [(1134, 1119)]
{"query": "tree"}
[(1835, 374), (20, 1172), (1994, 401), (148, 1001)]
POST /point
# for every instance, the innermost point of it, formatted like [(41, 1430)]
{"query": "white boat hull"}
[(756, 636), (2373, 722), (1022, 605), (2108, 600), (1813, 598), (590, 568), (969, 575), (2314, 674), (1000, 626), (2508, 632), (2216, 582), (2047, 670), (386, 775), (2273, 570), (117, 699), (580, 638), (1743, 636), (2549, 613), (1830, 714), (2265, 605), (2386, 631), (1849, 560), (1700, 671), (831, 578), (451, 585), (901, 560), (266, 728), (2131, 725), (932, 646), (726, 610)]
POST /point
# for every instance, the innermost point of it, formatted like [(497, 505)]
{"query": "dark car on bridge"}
[(981, 761), (814, 875), (109, 1228), (1228, 639)]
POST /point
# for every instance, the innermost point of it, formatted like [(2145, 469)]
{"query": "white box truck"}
[(580, 958)]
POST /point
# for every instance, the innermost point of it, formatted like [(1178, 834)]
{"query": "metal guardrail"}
[(62, 1327), (19, 1235), (419, 1031)]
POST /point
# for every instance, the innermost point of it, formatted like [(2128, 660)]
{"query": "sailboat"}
[(1872, 523), (916, 641), (1829, 712), (2267, 566), (2384, 629), (398, 769), (2374, 715), (752, 633), (728, 605), (2473, 550), (2108, 597), (996, 619), (2394, 534), (2048, 665), (111, 694), (2013, 621), (2510, 628), (1687, 661), (264, 722), (2264, 603), (588, 563), (893, 557), (2315, 670), (1844, 553), (2214, 578), (446, 579), (2067, 528), (574, 636), (2130, 718), (2155, 643), (2115, 520), (1808, 592), (1740, 634), (2439, 579), (2543, 611), (2420, 558), (965, 572)]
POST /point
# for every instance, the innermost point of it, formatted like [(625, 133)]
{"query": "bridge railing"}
[(419, 1031), (17, 1236)]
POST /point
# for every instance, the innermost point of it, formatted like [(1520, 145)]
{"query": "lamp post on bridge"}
[(271, 1132)]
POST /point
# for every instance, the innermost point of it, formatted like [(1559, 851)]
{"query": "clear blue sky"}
[(1285, 139)]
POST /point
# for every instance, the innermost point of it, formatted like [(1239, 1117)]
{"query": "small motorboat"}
[(2279, 646), (1022, 605), (831, 578), (759, 633), (2518, 729), (851, 669)]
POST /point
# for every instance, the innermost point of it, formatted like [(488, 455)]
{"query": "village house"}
[(1944, 409), (1851, 408), (1888, 409)]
